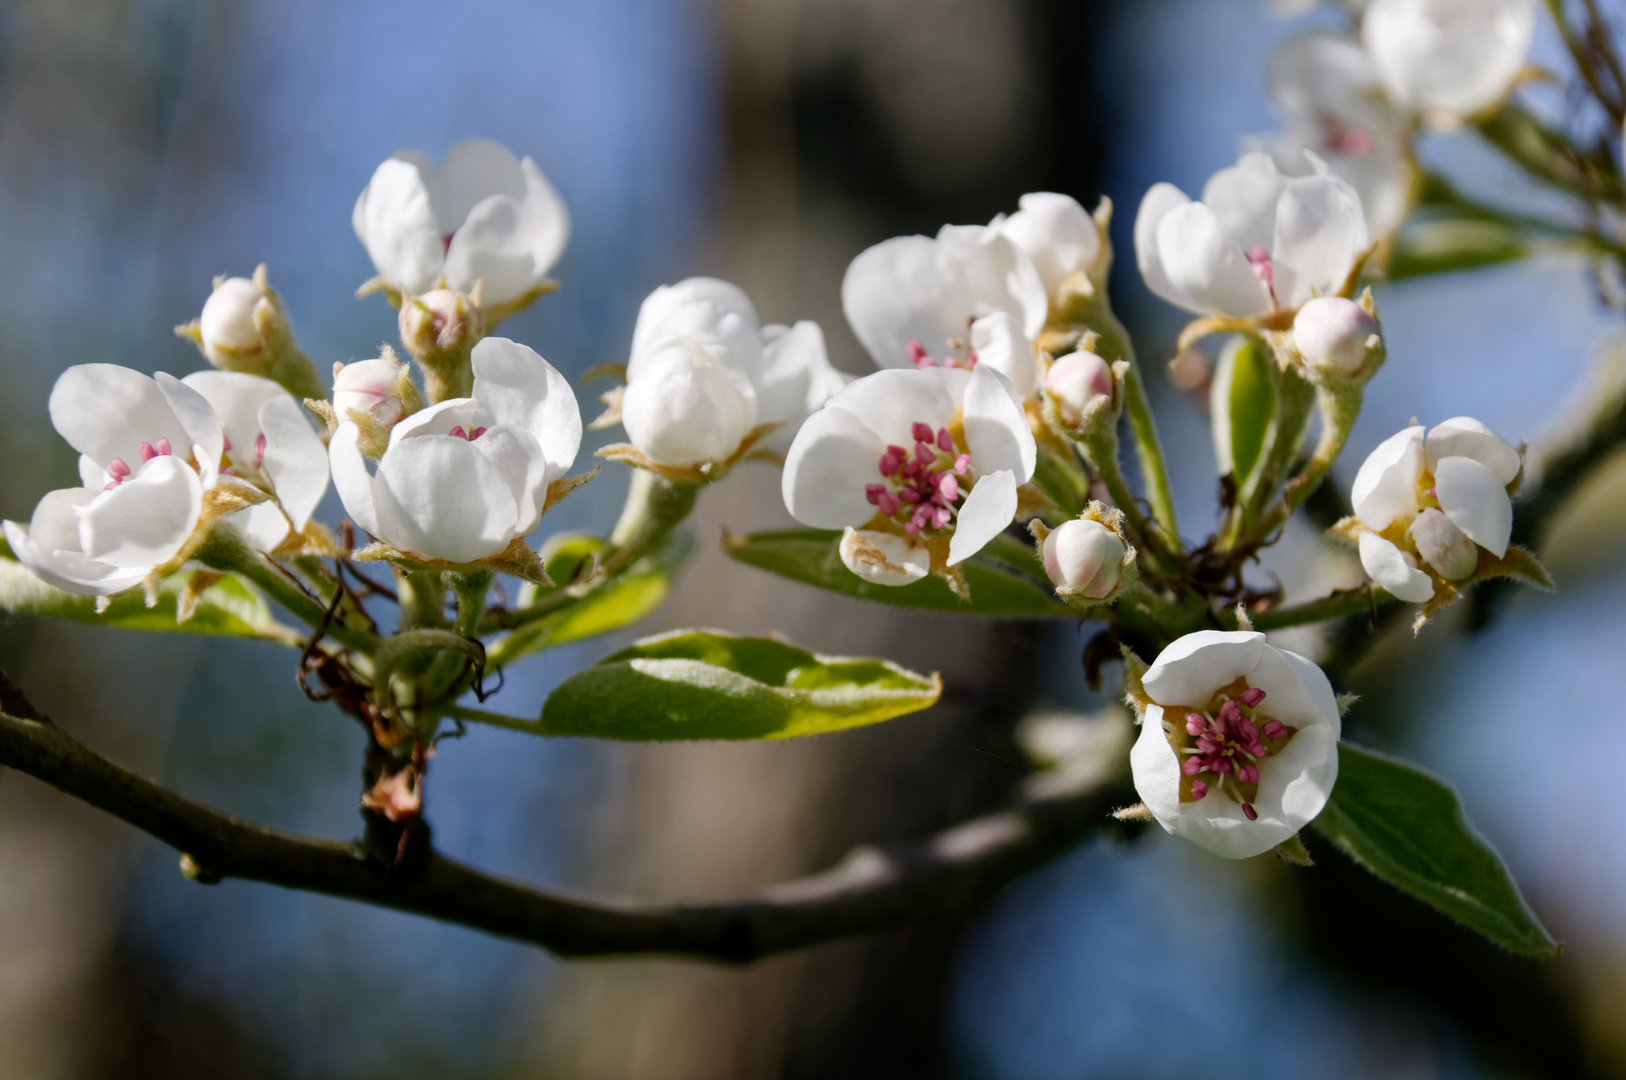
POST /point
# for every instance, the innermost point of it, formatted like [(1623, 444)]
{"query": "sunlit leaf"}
[(997, 587), (1243, 401), (699, 684), (1408, 827), (1440, 241)]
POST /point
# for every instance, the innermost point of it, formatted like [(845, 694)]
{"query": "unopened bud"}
[(684, 407), (1084, 557), (227, 323), (380, 390), (440, 329), (1337, 337), (244, 328), (1078, 383), (1446, 549)]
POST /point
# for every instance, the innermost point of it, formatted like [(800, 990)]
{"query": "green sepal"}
[(1242, 399)]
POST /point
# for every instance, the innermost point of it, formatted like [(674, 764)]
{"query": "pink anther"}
[(259, 449), (1247, 808), (1275, 729), (962, 463), (1251, 697), (458, 432), (945, 441), (147, 452), (1248, 774), (918, 355), (1196, 723), (1198, 789)]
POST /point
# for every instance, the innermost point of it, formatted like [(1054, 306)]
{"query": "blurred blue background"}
[(147, 145)]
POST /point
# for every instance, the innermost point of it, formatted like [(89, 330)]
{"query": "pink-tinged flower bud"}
[(1336, 336), (1084, 557), (1443, 546), (227, 323), (440, 329), (1076, 381), (378, 389)]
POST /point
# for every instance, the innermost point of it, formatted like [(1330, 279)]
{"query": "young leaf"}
[(1439, 241), (1408, 827), (631, 597), (1243, 401), (703, 684), (230, 607), (809, 556)]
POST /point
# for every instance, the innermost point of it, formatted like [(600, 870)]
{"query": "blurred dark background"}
[(146, 145)]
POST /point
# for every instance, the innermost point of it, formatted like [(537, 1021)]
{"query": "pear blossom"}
[(932, 457), (1238, 747), (150, 447), (480, 215), (704, 372), (1259, 242), (1426, 504), (970, 296), (1334, 107), (462, 479), (1084, 557), (1448, 59), (1056, 233)]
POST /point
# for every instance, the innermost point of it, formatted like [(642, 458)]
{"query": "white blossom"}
[(1056, 233), (1334, 107), (704, 372), (1448, 59), (1238, 749), (481, 214), (1427, 503), (462, 479), (969, 297), (1258, 241), (934, 456)]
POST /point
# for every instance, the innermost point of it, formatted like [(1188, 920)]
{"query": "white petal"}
[(1453, 57), (236, 398), (1001, 345), (1056, 233), (654, 329), (295, 459), (492, 246), (515, 454), (1319, 232), (796, 379), (396, 223), (441, 417), (685, 407), (92, 475), (891, 402), (263, 525), (351, 479), (893, 295), (1386, 485), (144, 521), (471, 172), (1244, 197), (1207, 264), (105, 411), (204, 434), (522, 389), (996, 427), (986, 512), (438, 497), (986, 272), (832, 458), (546, 217), (1476, 502), (907, 561), (1156, 770), (736, 342), (1466, 437), (1443, 546), (49, 547), (1160, 200), (1389, 567), (1191, 668)]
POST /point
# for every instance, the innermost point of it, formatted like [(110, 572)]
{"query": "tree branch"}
[(871, 889)]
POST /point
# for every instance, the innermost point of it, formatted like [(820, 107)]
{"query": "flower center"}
[(120, 470), (1259, 260), (1343, 139), (458, 433), (921, 490), (922, 359), (1220, 748)]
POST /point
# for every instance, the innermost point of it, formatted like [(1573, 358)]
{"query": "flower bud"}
[(684, 407), (1084, 558), (1336, 336), (227, 323), (244, 328), (375, 392), (1076, 383), (1445, 548), (440, 329)]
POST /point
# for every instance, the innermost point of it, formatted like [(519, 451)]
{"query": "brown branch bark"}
[(871, 889)]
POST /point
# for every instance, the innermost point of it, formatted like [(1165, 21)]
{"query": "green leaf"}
[(1441, 240), (1243, 402), (997, 588), (703, 684), (1407, 827), (230, 607), (631, 597)]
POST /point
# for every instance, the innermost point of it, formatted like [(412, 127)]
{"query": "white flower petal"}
[(1463, 436), (1191, 668), (829, 462), (907, 561), (295, 459), (1205, 262), (1443, 546), (91, 474), (144, 521), (49, 547), (547, 220), (471, 172), (893, 295), (1056, 233), (986, 272), (983, 515), (1454, 57), (438, 497), (351, 479), (522, 389), (1243, 198), (891, 402), (235, 399), (996, 427), (105, 411), (492, 246), (1386, 485), (263, 525), (654, 327), (1160, 200), (396, 223), (1387, 565), (733, 337), (204, 435), (685, 407), (518, 459), (796, 379), (1001, 346), (1320, 232), (1476, 502)]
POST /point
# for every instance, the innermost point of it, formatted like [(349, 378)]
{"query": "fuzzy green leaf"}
[(703, 684), (995, 578), (1408, 827)]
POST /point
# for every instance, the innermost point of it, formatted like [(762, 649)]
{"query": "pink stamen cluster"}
[(120, 470), (922, 359), (1259, 260), (458, 433), (1341, 139), (924, 486), (1230, 745), (259, 449)]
